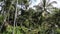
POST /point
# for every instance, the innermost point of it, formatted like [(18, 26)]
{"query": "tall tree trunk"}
[(15, 17)]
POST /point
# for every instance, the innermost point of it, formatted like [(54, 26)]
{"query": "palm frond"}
[(44, 3), (47, 2), (52, 3)]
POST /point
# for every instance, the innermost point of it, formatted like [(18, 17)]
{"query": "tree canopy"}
[(16, 17)]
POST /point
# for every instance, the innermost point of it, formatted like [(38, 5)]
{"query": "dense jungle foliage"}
[(16, 17)]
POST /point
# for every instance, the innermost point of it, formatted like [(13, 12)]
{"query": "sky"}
[(37, 1), (58, 3), (34, 2)]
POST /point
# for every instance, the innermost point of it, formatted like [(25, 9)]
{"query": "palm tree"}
[(46, 6)]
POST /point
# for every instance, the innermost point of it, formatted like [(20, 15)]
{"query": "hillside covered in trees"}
[(17, 17)]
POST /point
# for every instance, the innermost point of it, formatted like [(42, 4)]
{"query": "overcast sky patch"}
[(37, 1)]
